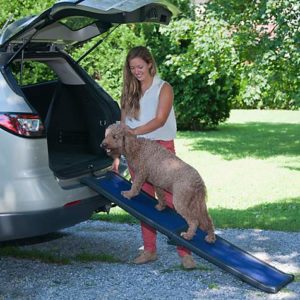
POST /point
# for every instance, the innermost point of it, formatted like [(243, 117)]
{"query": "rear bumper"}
[(30, 224)]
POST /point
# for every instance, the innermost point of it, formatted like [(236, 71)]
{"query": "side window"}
[(32, 72)]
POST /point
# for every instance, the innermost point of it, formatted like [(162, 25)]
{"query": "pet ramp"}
[(222, 253)]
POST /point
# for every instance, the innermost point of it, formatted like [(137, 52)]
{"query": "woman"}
[(147, 111)]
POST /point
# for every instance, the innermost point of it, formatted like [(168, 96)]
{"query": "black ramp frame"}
[(222, 253)]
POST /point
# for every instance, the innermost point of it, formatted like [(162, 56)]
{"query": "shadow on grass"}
[(293, 169), (259, 140), (281, 216)]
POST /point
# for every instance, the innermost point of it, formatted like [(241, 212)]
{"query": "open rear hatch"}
[(74, 109), (69, 22)]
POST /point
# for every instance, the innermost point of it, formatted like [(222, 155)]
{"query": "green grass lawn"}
[(251, 166)]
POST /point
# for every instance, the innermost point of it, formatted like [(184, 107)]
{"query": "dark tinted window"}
[(32, 72), (76, 23)]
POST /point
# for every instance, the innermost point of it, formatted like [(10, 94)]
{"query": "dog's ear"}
[(121, 129), (109, 128), (124, 129)]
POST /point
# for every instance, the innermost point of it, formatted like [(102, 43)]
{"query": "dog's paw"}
[(127, 194), (210, 238), (186, 235), (160, 207)]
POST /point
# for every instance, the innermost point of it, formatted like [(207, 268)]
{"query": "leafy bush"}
[(266, 35), (201, 68), (15, 9)]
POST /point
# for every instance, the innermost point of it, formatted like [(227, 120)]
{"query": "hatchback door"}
[(68, 22)]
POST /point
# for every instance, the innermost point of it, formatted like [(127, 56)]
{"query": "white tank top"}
[(148, 107)]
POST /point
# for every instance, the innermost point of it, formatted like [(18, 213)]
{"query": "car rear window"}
[(32, 72), (77, 22)]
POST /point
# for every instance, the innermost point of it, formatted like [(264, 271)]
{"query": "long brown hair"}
[(132, 92)]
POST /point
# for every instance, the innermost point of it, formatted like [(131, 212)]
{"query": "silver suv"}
[(51, 127)]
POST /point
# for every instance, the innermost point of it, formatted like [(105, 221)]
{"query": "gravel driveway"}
[(163, 279)]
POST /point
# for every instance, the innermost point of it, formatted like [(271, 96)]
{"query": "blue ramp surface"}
[(222, 253)]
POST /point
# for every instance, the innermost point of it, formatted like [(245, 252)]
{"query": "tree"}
[(266, 35), (200, 65)]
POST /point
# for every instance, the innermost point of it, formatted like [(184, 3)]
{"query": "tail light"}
[(25, 125)]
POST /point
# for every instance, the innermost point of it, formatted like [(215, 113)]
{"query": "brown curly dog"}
[(165, 171)]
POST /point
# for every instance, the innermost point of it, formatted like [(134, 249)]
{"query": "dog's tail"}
[(201, 191), (205, 221)]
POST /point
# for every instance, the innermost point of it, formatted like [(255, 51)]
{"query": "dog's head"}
[(114, 139)]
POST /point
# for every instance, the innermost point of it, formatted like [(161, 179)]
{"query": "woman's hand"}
[(129, 129)]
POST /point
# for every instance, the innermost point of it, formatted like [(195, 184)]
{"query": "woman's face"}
[(139, 68)]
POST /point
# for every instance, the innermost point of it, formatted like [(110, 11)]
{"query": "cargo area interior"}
[(75, 112)]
